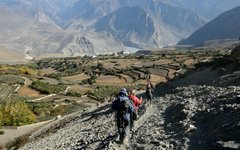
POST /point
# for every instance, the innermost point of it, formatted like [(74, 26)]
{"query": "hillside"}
[(139, 27), (176, 120), (55, 27), (189, 115), (225, 26), (209, 9), (10, 56)]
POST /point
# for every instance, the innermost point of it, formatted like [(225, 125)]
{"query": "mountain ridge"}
[(225, 26), (166, 23)]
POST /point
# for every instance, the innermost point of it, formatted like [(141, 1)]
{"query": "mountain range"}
[(225, 26), (91, 27)]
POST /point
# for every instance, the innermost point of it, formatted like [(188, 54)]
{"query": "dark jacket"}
[(123, 96)]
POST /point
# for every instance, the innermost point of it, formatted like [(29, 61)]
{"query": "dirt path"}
[(145, 112), (11, 133), (174, 121), (93, 129)]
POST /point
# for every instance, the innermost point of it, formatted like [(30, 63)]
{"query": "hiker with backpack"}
[(149, 91), (124, 109), (136, 103)]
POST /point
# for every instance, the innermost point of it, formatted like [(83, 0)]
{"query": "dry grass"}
[(26, 70), (157, 79), (171, 73), (144, 63), (47, 71), (50, 80), (189, 62), (159, 72), (163, 61), (76, 78), (121, 63), (7, 55), (79, 89), (141, 82), (29, 92), (108, 65), (109, 80), (127, 78), (6, 68)]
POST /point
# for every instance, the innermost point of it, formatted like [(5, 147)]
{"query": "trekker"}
[(123, 108), (136, 103), (149, 91)]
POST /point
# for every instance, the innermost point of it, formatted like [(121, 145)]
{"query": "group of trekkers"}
[(126, 107)]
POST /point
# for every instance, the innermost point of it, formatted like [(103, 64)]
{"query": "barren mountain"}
[(8, 56), (225, 26), (31, 26), (38, 35), (137, 30), (48, 17), (209, 9), (13, 24), (67, 43), (150, 25)]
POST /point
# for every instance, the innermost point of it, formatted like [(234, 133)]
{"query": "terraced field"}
[(6, 90), (76, 78), (109, 80)]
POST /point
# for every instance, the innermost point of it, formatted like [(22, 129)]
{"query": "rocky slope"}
[(48, 27), (145, 27), (136, 31), (224, 26), (207, 8), (192, 116)]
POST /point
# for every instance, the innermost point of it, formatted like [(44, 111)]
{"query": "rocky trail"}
[(193, 117), (184, 115)]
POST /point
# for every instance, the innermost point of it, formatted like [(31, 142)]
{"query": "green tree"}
[(17, 113)]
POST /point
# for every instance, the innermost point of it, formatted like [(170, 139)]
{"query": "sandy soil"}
[(7, 55), (109, 80), (79, 88), (76, 78), (25, 90)]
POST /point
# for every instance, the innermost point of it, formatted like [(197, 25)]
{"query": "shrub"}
[(17, 113), (75, 94), (26, 70), (47, 88), (89, 81), (55, 76), (103, 92), (59, 110), (40, 108)]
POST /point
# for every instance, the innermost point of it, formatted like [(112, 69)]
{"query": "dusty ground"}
[(76, 78), (109, 80), (200, 111), (25, 90), (193, 117), (10, 134)]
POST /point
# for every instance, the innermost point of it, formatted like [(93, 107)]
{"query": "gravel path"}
[(193, 117)]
